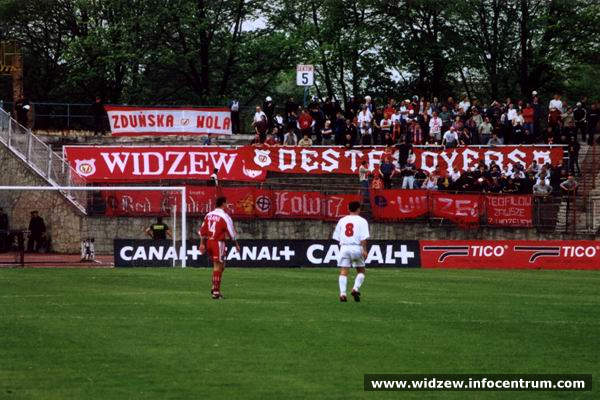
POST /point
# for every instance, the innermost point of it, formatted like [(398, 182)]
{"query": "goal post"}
[(9, 203)]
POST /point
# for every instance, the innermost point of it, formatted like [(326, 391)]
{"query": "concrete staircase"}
[(334, 183), (41, 159), (580, 215), (57, 139)]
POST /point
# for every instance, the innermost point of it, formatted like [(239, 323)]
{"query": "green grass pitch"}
[(282, 334)]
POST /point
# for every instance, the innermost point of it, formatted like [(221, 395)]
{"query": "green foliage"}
[(203, 51), (177, 51)]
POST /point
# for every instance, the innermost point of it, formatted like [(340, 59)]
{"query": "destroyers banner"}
[(463, 209), (509, 254), (148, 163), (339, 160), (159, 121), (265, 253), (244, 202)]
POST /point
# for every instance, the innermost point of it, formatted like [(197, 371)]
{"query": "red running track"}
[(52, 260)]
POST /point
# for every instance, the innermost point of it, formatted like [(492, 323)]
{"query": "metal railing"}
[(41, 158), (583, 206), (544, 209), (78, 116)]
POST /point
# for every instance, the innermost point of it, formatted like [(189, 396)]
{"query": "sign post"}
[(305, 76)]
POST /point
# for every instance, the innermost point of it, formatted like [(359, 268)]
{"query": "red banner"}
[(397, 204), (147, 163), (466, 158), (244, 202), (510, 254), (313, 205), (141, 121), (509, 210), (464, 209), (339, 160), (200, 200)]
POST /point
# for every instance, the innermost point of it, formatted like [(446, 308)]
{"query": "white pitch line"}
[(199, 318)]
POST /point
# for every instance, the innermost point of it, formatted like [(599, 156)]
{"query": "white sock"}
[(343, 280), (360, 277)]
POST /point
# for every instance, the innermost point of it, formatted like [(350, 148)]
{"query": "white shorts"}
[(351, 256)]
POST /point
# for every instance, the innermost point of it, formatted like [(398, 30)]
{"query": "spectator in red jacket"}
[(261, 127), (554, 118), (528, 116), (305, 123)]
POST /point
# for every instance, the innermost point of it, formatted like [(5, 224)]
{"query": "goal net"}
[(46, 226)]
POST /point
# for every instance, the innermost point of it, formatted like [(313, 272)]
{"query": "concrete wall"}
[(63, 220), (105, 229)]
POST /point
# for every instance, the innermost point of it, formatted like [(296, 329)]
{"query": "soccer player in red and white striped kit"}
[(216, 228)]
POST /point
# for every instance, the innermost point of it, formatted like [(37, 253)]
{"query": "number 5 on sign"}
[(305, 75)]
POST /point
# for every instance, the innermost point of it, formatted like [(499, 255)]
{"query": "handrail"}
[(52, 167)]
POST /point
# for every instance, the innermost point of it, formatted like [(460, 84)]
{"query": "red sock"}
[(216, 281)]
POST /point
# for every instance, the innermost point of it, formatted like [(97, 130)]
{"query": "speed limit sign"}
[(305, 75)]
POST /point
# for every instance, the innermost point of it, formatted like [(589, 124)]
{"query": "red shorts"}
[(216, 250)]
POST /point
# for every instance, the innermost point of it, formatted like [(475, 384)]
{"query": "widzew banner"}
[(96, 164), (264, 253), (510, 254), (159, 121), (243, 202)]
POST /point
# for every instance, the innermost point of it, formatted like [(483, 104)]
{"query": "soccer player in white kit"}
[(352, 232)]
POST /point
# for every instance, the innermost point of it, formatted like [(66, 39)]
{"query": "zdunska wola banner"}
[(158, 121), (265, 253)]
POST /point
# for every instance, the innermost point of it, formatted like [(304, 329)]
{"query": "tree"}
[(202, 51)]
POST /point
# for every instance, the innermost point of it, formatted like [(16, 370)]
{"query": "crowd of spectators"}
[(540, 180), (420, 121), (449, 123)]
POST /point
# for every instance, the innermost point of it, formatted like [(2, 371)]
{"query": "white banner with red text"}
[(158, 121)]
